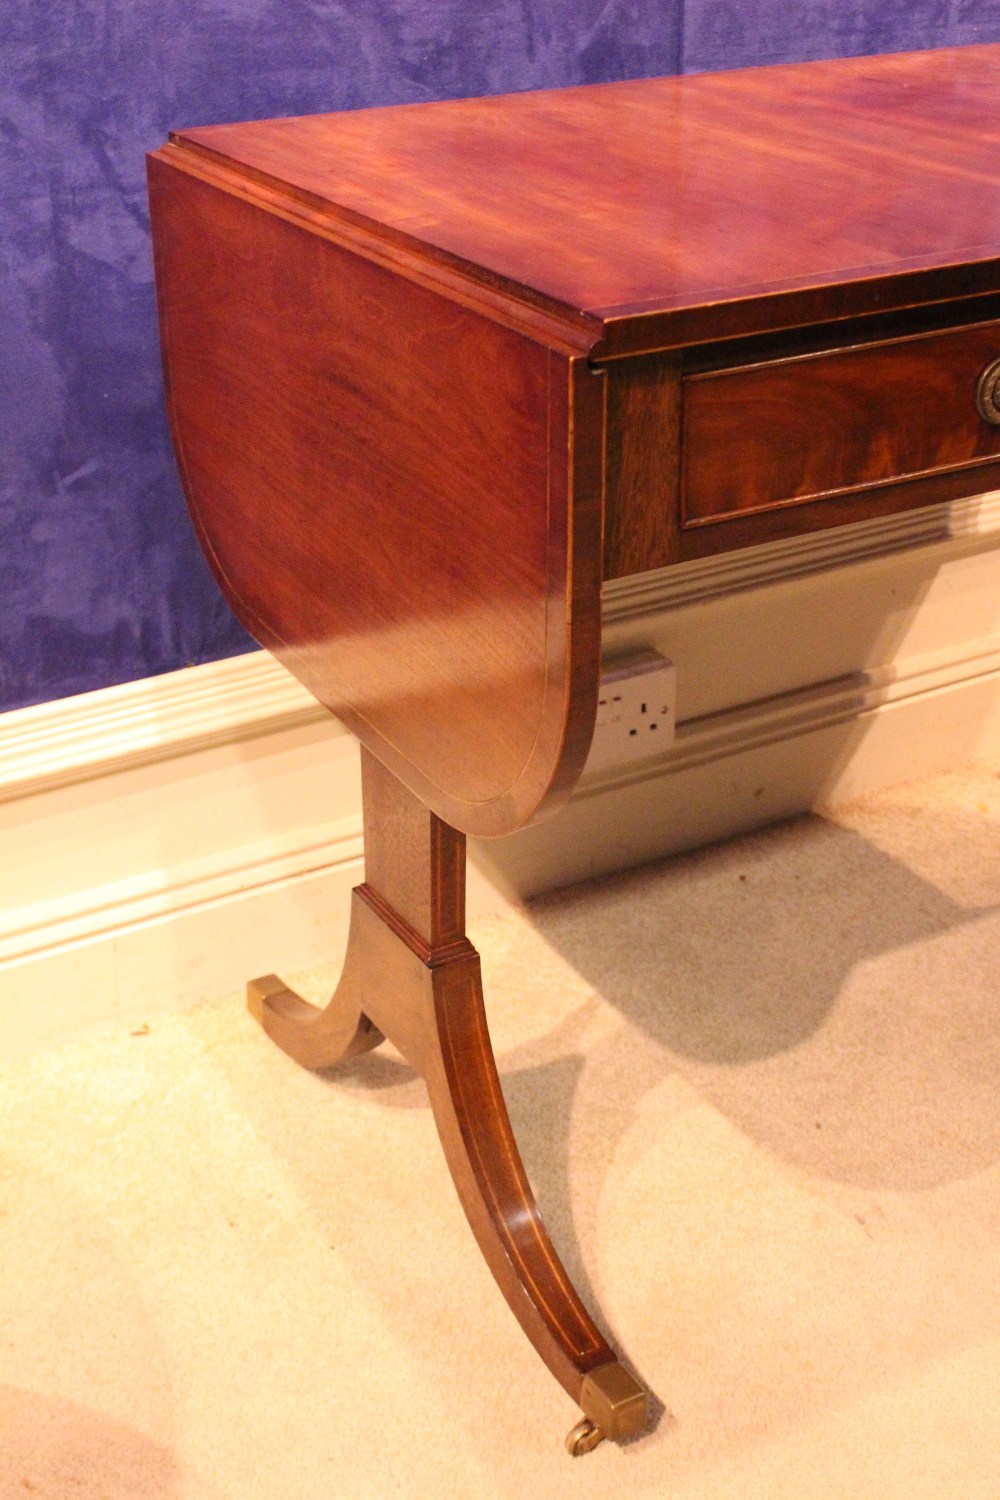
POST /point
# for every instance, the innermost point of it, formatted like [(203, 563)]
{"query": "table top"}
[(643, 202), (392, 343)]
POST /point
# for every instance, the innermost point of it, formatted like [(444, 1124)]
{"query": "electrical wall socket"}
[(636, 711)]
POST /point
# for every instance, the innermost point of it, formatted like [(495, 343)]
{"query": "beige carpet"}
[(758, 1092)]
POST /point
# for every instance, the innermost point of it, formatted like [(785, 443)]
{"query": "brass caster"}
[(583, 1438), (613, 1402)]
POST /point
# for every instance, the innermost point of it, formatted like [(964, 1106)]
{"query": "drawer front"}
[(766, 436)]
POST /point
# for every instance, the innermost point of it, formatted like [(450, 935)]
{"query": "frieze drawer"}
[(815, 426)]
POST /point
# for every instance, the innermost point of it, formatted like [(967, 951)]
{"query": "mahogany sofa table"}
[(436, 371)]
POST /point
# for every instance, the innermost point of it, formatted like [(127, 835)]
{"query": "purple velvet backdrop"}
[(102, 580)]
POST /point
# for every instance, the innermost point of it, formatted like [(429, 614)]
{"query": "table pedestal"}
[(412, 975)]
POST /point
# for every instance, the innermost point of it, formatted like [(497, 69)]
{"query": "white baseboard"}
[(165, 840)]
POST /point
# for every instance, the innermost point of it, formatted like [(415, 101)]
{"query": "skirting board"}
[(165, 840)]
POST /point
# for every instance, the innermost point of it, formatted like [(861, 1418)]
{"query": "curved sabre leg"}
[(493, 1186), (412, 975), (316, 1037)]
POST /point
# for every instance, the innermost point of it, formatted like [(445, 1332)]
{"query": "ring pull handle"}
[(988, 394)]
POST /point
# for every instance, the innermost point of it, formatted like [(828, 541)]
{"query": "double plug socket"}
[(636, 711)]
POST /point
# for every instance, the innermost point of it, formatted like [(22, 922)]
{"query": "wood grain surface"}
[(795, 430), (411, 352), (643, 465), (677, 209), (399, 496)]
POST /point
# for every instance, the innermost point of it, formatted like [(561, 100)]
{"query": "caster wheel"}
[(583, 1438)]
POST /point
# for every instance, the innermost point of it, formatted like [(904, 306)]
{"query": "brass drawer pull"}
[(988, 394)]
